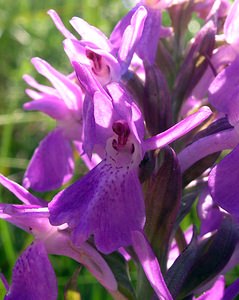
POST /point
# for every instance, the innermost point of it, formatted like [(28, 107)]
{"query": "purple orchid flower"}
[(107, 61), (33, 217), (52, 162), (113, 122)]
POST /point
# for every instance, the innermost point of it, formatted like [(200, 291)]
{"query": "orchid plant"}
[(150, 112)]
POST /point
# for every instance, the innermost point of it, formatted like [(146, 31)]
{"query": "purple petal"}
[(131, 36), (216, 292), (223, 183), (118, 31), (33, 276), (150, 265), (223, 92), (31, 218), (178, 130), (67, 89), (19, 191), (59, 25), (231, 25), (40, 87), (90, 33), (147, 46), (107, 203), (98, 267), (49, 105), (51, 165), (208, 213), (226, 139)]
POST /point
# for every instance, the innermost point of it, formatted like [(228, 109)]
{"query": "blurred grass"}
[(27, 31)]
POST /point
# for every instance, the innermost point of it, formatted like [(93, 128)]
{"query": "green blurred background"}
[(27, 31)]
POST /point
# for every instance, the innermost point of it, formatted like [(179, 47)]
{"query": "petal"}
[(40, 87), (147, 46), (150, 265), (67, 89), (223, 92), (216, 292), (90, 33), (19, 191), (223, 183), (209, 213), (107, 203), (178, 130), (51, 165), (231, 25), (33, 276), (131, 36), (31, 218), (59, 25), (226, 139), (49, 105)]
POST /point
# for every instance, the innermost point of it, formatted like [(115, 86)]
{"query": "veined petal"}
[(49, 105), (33, 276), (68, 90), (20, 192), (59, 25), (52, 163), (90, 33), (150, 265), (178, 130), (107, 202)]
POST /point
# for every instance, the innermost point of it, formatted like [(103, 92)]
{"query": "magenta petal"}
[(132, 35), (107, 203), (216, 292), (209, 213), (90, 33), (223, 183), (178, 129), (150, 265), (51, 165), (49, 105), (59, 25), (68, 91), (33, 276), (19, 191)]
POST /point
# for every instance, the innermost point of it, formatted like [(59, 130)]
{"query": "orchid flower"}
[(107, 61), (112, 121)]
